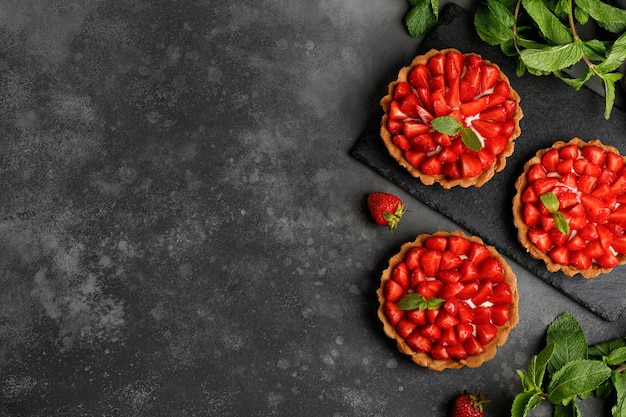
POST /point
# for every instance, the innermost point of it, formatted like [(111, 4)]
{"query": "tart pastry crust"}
[(446, 182), (425, 359), (522, 228)]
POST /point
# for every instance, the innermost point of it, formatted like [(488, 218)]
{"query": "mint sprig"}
[(567, 370), (417, 301), (544, 36), (451, 126), (551, 202)]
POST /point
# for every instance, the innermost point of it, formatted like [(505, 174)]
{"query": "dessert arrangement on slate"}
[(413, 152)]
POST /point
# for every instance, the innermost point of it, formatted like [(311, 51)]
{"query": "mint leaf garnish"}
[(551, 202), (569, 341), (447, 125), (470, 139), (419, 302)]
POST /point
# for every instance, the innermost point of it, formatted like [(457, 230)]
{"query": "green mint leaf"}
[(435, 303), (575, 378), (617, 356), (538, 364), (561, 224), (471, 140), (549, 25), (552, 58), (575, 83), (609, 80), (550, 201), (524, 402), (412, 302), (447, 125), (569, 341), (619, 382), (567, 410), (422, 16), (600, 350), (616, 56), (580, 15), (608, 17), (493, 22)]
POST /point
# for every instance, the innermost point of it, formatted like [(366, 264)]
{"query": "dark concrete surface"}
[(183, 231)]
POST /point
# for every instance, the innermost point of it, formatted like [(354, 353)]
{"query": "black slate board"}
[(552, 111)]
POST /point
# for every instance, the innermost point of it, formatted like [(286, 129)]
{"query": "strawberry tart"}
[(451, 118), (448, 300), (569, 207)]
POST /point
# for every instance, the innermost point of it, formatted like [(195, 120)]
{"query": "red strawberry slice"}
[(402, 90), (415, 158), (393, 291), (419, 76), (594, 154), (440, 352), (401, 274), (470, 84), (405, 327), (500, 314), (471, 108), (457, 351), (469, 165), (423, 142), (489, 76), (414, 256), (486, 128), (418, 342), (580, 260), (417, 316), (437, 243), (550, 160), (486, 332), (430, 262), (491, 269), (409, 105), (401, 142), (472, 346), (614, 162), (431, 165), (458, 245), (392, 312), (469, 290), (540, 238)]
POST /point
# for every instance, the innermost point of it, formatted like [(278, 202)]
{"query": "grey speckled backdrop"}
[(182, 230)]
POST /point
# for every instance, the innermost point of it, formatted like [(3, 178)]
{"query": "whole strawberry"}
[(386, 209), (469, 405)]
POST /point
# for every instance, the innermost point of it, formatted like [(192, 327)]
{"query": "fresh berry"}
[(386, 209), (469, 405), (473, 289), (586, 233), (462, 86)]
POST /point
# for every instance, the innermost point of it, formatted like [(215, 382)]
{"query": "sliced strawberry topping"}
[(588, 181), (469, 282), (466, 88)]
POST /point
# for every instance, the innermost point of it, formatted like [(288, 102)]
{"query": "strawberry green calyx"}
[(393, 219)]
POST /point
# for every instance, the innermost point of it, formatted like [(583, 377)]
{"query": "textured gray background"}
[(183, 231)]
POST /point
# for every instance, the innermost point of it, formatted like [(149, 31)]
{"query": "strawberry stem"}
[(393, 219)]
